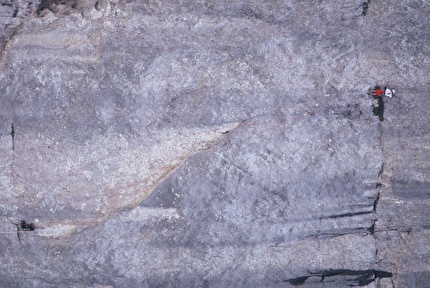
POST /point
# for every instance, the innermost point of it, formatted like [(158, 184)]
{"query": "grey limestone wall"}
[(214, 144)]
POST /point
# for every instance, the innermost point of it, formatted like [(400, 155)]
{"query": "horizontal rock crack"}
[(353, 278)]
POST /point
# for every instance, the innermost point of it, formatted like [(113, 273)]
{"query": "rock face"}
[(214, 144)]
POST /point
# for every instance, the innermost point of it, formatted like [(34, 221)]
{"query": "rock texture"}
[(214, 144)]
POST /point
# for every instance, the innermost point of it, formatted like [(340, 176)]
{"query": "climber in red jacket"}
[(379, 92)]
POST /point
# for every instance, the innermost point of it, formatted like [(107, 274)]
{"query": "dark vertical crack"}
[(15, 12), (379, 185), (371, 229), (381, 171), (365, 6), (13, 175), (375, 203), (12, 133)]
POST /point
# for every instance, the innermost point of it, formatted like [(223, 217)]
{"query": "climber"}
[(379, 92)]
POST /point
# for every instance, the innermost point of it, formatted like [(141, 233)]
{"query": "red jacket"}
[(378, 92)]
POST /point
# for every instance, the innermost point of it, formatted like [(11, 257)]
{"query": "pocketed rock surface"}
[(214, 144)]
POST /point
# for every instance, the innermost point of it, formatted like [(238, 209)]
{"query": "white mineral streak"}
[(57, 230), (140, 213)]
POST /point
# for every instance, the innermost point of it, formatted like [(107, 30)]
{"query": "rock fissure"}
[(12, 134), (371, 229), (365, 6), (349, 214), (378, 187), (13, 175), (353, 278)]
